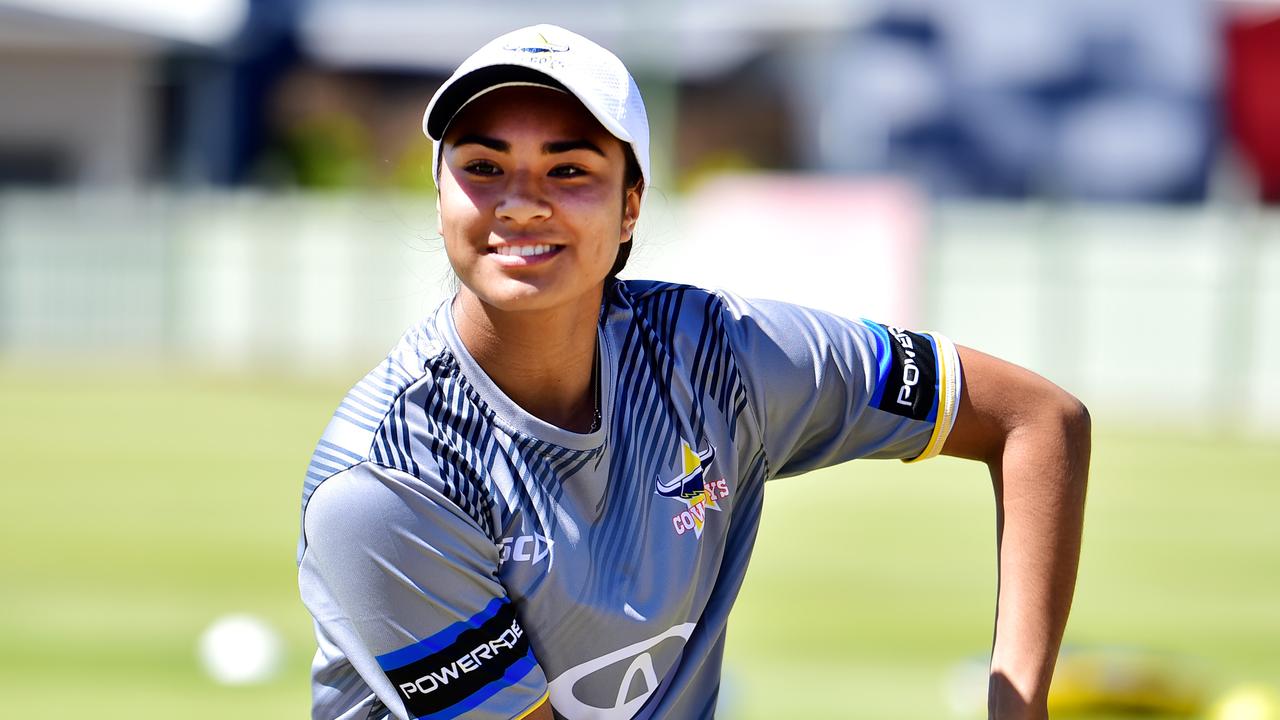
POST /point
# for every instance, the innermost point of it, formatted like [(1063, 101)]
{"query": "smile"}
[(525, 250), (523, 255)]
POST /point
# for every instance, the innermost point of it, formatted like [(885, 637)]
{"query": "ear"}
[(631, 211), (439, 218)]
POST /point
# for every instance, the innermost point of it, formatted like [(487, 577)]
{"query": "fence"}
[(1154, 314)]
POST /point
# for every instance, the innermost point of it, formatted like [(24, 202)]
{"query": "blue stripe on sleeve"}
[(363, 425), (883, 357), (439, 641), (354, 457)]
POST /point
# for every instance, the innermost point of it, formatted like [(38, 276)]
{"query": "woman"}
[(543, 502)]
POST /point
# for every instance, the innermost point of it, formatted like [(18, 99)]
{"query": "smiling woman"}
[(532, 203), (543, 502)]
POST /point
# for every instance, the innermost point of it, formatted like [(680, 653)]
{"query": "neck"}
[(543, 360)]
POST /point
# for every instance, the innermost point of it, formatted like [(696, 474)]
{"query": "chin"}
[(564, 287), (515, 296)]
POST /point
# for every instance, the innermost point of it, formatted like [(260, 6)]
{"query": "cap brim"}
[(461, 90)]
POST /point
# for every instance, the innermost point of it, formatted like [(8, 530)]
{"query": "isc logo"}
[(525, 548)]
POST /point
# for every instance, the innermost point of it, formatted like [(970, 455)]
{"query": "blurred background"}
[(216, 215)]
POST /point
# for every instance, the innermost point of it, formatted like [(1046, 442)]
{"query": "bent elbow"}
[(1076, 428), (1075, 417), (1069, 419)]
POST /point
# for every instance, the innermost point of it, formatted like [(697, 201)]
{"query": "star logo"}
[(537, 43)]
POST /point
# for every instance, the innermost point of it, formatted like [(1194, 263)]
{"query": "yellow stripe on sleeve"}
[(949, 381)]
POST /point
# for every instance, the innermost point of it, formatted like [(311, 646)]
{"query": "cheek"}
[(598, 208), (458, 229), (458, 214)]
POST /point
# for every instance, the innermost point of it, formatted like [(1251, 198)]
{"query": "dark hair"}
[(632, 179)]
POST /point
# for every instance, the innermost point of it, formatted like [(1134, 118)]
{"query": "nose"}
[(523, 201)]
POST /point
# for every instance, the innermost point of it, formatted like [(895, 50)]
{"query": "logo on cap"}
[(539, 45)]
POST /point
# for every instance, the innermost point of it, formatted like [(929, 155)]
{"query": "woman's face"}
[(532, 208)]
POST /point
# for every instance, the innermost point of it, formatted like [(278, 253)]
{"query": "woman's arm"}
[(1034, 437)]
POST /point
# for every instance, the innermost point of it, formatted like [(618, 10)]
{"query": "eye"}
[(483, 168), (567, 171)]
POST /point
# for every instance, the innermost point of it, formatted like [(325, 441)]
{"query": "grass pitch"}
[(138, 506)]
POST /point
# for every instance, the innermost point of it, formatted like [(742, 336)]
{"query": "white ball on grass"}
[(240, 649)]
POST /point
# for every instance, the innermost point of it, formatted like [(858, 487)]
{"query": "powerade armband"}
[(455, 670), (908, 382)]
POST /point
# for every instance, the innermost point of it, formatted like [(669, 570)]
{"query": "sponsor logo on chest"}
[(616, 685), (532, 549)]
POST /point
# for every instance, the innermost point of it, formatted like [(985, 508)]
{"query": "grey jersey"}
[(462, 557)]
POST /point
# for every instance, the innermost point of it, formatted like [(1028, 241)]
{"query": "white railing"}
[(1154, 314)]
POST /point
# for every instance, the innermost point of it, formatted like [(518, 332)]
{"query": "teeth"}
[(523, 250)]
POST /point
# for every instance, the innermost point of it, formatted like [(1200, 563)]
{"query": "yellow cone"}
[(1247, 702)]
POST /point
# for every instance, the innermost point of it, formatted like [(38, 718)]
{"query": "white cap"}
[(548, 56)]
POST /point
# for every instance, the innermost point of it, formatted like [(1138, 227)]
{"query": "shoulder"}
[(669, 306), (647, 290), (370, 510), (372, 423), (357, 495), (363, 414), (719, 326), (409, 367), (369, 494), (714, 305)]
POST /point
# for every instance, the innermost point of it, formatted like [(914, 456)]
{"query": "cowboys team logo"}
[(692, 487)]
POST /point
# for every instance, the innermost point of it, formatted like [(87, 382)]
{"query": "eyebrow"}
[(564, 146), (551, 148)]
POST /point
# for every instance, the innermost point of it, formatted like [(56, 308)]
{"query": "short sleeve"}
[(405, 584), (826, 389)]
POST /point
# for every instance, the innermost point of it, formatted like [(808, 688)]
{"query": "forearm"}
[(1040, 477)]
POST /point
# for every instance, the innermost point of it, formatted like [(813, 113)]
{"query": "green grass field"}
[(138, 506)]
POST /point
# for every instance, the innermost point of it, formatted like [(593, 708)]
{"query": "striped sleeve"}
[(826, 389), (405, 584)]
